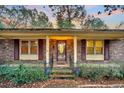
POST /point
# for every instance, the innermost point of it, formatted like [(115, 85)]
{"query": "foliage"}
[(20, 17), (121, 24), (93, 23), (22, 74), (91, 73), (115, 73), (100, 71), (1, 25), (109, 9), (65, 24), (66, 14)]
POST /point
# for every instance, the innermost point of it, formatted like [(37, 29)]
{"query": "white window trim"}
[(30, 56), (95, 56)]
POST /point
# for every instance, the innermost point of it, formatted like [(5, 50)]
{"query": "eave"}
[(80, 33)]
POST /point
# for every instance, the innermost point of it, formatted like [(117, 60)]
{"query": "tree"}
[(66, 14), (1, 25), (39, 19), (109, 9), (93, 23), (121, 24), (65, 24), (19, 16)]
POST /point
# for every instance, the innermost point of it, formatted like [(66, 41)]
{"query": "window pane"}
[(33, 50), (33, 43), (90, 47), (98, 44), (24, 47), (90, 50), (24, 50), (99, 47), (90, 44), (24, 43), (99, 50)]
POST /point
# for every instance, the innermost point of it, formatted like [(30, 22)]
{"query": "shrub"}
[(92, 73), (4, 70), (114, 73), (22, 74), (97, 72)]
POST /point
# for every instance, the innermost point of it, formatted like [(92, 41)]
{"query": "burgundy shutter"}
[(16, 49), (83, 49), (40, 46), (106, 50)]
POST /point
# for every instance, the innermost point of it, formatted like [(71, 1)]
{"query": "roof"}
[(19, 33), (58, 29)]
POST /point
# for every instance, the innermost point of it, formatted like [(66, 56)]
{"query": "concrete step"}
[(62, 71), (61, 68), (60, 76)]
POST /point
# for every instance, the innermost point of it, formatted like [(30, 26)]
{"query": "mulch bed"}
[(67, 83)]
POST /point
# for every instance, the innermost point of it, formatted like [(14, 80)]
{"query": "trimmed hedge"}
[(22, 74), (96, 72)]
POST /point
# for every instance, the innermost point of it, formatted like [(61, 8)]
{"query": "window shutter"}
[(106, 50), (83, 48), (40, 47), (16, 49)]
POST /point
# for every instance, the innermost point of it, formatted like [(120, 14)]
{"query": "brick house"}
[(81, 46)]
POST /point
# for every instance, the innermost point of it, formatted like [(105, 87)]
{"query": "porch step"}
[(60, 76), (63, 73)]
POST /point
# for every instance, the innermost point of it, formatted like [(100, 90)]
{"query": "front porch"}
[(61, 50)]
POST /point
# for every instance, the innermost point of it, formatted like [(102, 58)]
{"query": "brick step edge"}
[(63, 76), (62, 72)]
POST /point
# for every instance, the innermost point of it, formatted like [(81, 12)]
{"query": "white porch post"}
[(75, 51), (47, 51)]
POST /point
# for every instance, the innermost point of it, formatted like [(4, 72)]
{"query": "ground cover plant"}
[(22, 74), (99, 71)]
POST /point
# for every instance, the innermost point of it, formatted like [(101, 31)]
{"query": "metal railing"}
[(48, 69), (51, 62), (71, 62)]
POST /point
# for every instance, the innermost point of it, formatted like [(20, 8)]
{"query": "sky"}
[(112, 20)]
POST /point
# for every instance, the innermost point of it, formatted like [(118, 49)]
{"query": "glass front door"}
[(61, 50)]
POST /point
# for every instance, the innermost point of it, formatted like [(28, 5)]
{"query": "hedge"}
[(22, 74), (98, 71)]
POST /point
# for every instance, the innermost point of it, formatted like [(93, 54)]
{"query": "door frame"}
[(65, 50)]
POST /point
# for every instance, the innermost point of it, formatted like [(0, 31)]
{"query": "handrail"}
[(48, 69), (71, 62), (51, 62)]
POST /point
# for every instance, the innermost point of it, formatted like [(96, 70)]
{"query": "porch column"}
[(75, 51), (47, 51)]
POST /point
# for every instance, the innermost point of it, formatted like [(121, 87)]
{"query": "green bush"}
[(22, 74), (4, 70), (115, 73), (92, 73), (96, 72)]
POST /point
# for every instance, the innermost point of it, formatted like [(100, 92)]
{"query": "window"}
[(29, 47), (24, 47), (94, 47)]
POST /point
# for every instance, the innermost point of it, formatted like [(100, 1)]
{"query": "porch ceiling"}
[(56, 33)]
